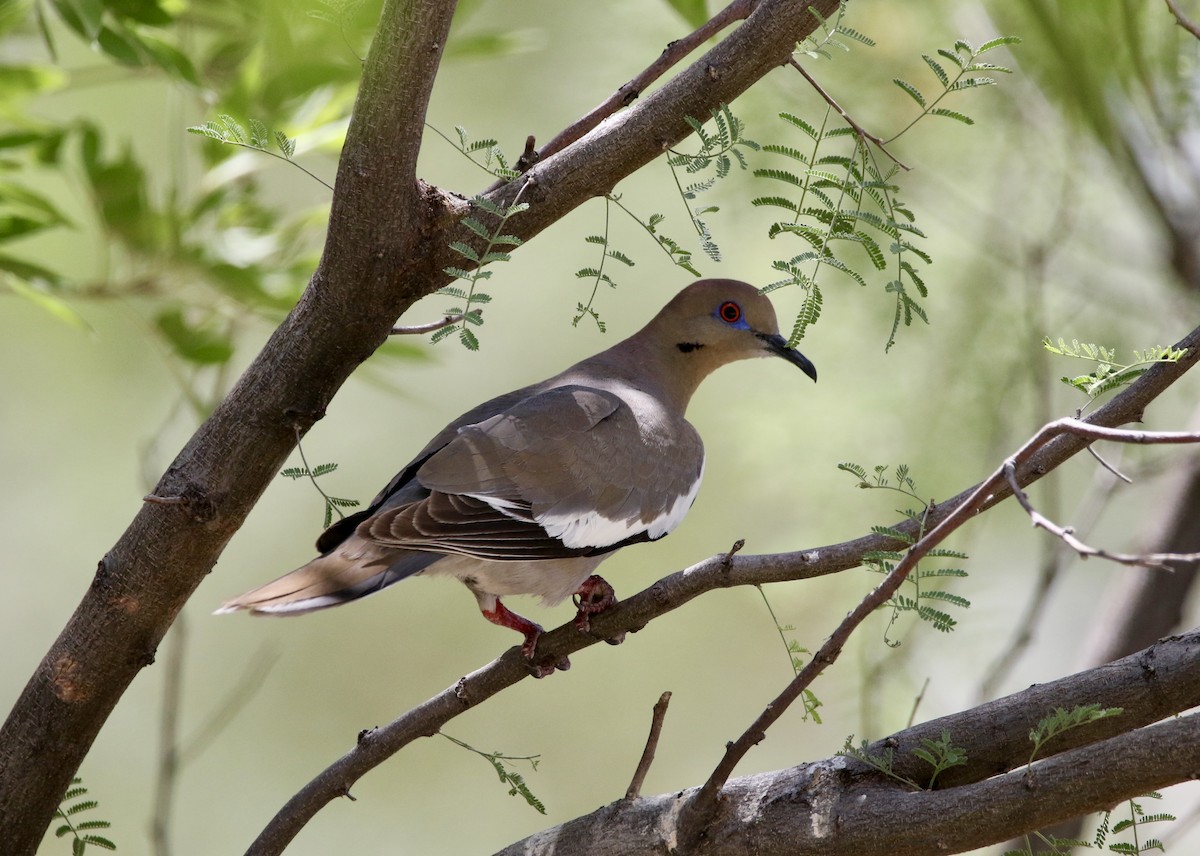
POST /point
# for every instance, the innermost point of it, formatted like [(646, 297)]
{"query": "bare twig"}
[(1182, 19), (912, 717), (858, 129), (1102, 462), (415, 329), (1068, 537), (1098, 496), (643, 767), (627, 93)]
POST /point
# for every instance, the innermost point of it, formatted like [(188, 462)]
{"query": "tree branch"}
[(840, 806)]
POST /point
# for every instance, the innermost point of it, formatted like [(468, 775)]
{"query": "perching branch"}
[(1042, 455)]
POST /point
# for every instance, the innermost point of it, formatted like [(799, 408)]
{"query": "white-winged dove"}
[(529, 492)]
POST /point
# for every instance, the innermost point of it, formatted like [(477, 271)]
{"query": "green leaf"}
[(120, 45), (694, 12), (911, 90), (195, 343), (937, 69), (998, 42), (82, 16), (952, 114)]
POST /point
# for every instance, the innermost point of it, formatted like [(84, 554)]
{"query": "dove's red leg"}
[(497, 613), (593, 597), (505, 617)]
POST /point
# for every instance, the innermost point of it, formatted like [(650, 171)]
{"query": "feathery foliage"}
[(1062, 721), (940, 755), (597, 274), (485, 154), (82, 832), (795, 656), (257, 137), (927, 603), (843, 203), (333, 504), (511, 778), (719, 150), (1133, 826), (1109, 374), (816, 45), (470, 311), (676, 252)]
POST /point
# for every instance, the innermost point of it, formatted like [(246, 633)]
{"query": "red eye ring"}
[(730, 312)]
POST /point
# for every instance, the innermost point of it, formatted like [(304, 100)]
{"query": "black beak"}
[(777, 345)]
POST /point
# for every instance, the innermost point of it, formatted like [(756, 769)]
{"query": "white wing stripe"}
[(593, 529)]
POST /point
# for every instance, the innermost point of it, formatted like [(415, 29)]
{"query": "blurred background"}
[(144, 266)]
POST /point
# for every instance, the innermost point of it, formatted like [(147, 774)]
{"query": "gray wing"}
[(569, 471)]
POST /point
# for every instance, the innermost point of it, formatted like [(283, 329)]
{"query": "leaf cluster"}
[(515, 782), (940, 755), (928, 604), (485, 154), (796, 654), (968, 72), (598, 274), (1133, 826), (1062, 720), (333, 504), (82, 832), (843, 204), (817, 44), (1110, 374), (470, 311), (719, 150), (844, 207)]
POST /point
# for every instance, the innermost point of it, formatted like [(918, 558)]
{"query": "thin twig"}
[(1182, 19), (912, 716), (416, 329), (701, 809), (1067, 535), (1102, 462), (858, 129), (643, 767), (1098, 496), (627, 93)]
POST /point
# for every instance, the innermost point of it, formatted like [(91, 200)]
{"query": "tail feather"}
[(356, 569)]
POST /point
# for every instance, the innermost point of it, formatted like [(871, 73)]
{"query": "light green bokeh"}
[(77, 412)]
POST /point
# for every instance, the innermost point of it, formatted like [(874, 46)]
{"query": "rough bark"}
[(839, 806)]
